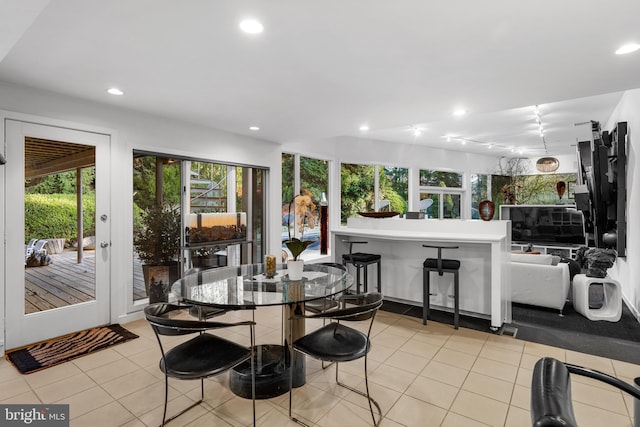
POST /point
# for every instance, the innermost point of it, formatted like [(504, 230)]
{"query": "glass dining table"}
[(246, 287)]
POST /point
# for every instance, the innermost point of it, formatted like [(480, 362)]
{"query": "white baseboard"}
[(126, 318), (631, 308)]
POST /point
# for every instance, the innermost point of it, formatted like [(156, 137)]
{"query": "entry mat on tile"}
[(45, 354)]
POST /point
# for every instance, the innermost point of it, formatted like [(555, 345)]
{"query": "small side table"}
[(611, 309)]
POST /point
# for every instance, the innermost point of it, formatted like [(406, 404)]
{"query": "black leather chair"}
[(440, 266), (200, 357), (336, 342), (362, 261), (551, 403)]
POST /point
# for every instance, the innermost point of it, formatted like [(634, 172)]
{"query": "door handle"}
[(104, 244)]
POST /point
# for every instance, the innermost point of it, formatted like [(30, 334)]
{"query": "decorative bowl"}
[(378, 214)]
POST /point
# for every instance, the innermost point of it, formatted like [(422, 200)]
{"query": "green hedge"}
[(49, 216)]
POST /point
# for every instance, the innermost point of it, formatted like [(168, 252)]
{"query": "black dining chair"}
[(336, 342), (202, 356)]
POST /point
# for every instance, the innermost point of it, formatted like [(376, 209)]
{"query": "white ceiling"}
[(323, 68)]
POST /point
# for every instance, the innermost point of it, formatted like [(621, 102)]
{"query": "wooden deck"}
[(65, 282)]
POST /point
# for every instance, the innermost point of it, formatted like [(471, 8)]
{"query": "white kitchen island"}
[(484, 248)]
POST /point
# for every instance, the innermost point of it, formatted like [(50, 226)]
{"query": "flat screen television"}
[(552, 225)]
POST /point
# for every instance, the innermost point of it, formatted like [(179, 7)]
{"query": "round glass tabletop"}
[(247, 286)]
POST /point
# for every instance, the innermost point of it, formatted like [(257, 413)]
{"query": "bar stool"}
[(362, 261), (441, 266)]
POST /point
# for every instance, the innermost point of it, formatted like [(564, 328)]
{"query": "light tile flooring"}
[(421, 376)]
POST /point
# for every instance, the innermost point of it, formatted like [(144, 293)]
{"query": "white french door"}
[(72, 293)]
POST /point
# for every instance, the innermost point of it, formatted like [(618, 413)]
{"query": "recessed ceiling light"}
[(364, 128), (628, 48), (115, 91), (460, 112), (251, 26), (254, 128)]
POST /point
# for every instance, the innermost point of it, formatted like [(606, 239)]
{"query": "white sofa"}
[(539, 280)]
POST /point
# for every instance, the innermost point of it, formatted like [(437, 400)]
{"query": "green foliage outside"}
[(357, 190), (314, 177), (49, 216), (157, 241), (144, 181), (50, 205), (287, 177), (62, 183)]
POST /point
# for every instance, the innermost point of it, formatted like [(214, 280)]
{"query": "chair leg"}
[(425, 295), (365, 285), (371, 400), (253, 365), (291, 352), (166, 397), (357, 278), (379, 276), (456, 300)]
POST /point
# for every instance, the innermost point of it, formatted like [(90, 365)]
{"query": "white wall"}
[(367, 151), (627, 270), (133, 130)]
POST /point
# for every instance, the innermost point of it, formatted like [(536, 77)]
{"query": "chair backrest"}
[(551, 403), (365, 307), (40, 246), (439, 259), (29, 248), (333, 264), (159, 315), (354, 242)]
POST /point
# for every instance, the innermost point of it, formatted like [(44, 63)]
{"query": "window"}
[(310, 180), (394, 189), (359, 188), (480, 190), (440, 194), (434, 178), (161, 208)]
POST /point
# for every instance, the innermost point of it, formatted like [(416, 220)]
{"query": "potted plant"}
[(304, 208), (157, 243)]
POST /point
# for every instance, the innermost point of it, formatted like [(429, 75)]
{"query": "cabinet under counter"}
[(484, 248)]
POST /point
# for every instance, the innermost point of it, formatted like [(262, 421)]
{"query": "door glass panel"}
[(59, 206), (156, 224), (211, 192)]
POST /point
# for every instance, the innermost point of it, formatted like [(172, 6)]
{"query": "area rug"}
[(45, 354)]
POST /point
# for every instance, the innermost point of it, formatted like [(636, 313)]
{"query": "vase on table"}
[(486, 209), (294, 269)]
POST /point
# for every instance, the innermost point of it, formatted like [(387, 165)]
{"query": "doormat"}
[(45, 354)]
